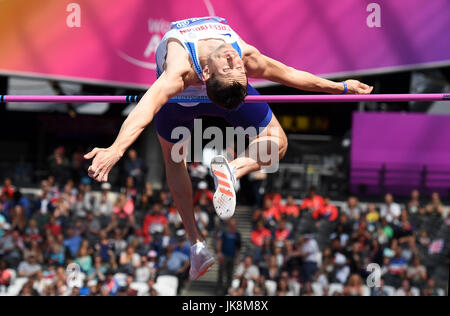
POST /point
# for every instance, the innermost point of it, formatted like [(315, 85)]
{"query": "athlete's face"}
[(226, 64)]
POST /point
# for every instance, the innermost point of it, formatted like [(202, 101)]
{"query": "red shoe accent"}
[(226, 192), (225, 184), (221, 174), (204, 271)]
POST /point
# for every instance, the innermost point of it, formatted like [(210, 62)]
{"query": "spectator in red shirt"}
[(313, 201), (276, 198), (290, 209), (270, 211), (154, 221), (53, 227), (202, 192), (8, 189), (259, 234), (282, 233), (327, 211), (5, 275)]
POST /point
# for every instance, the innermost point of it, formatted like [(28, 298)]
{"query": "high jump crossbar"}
[(248, 99)]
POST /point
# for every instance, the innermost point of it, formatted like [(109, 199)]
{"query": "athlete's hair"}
[(229, 96)]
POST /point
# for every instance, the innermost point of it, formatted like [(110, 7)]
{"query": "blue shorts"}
[(173, 115)]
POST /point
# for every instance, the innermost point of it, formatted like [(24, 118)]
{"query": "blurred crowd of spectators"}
[(316, 248), (65, 239), (120, 242)]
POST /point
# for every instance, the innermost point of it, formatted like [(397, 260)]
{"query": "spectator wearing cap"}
[(203, 192), (228, 249), (341, 269), (182, 244)]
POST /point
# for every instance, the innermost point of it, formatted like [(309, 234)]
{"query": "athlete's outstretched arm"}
[(166, 87), (260, 66), (169, 84)]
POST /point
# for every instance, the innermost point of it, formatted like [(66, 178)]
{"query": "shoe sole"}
[(222, 173), (205, 268)]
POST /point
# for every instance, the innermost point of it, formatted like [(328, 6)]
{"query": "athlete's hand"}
[(103, 161), (356, 87)]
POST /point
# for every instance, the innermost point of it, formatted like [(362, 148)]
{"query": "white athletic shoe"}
[(224, 178), (201, 260)]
